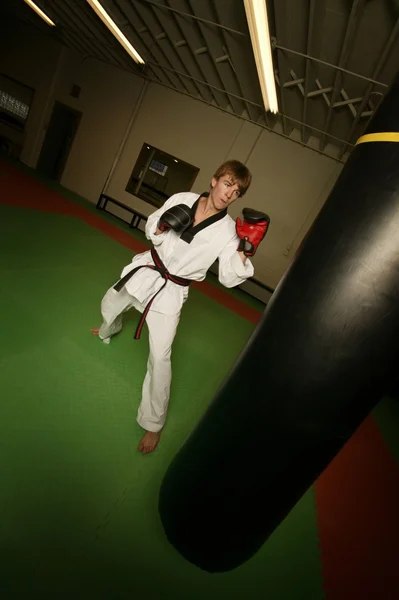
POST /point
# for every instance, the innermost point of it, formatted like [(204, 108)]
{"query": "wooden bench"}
[(136, 218)]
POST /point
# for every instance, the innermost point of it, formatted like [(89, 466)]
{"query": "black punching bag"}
[(323, 354)]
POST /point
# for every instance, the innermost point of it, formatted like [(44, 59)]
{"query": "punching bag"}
[(324, 352)]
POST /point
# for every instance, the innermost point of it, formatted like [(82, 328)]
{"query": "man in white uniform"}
[(189, 233)]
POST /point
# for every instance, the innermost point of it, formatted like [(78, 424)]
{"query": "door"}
[(60, 134)]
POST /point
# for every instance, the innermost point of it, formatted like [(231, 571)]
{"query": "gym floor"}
[(78, 503)]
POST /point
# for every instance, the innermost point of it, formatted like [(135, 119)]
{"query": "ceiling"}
[(334, 59)]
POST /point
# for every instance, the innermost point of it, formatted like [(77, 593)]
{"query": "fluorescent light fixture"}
[(114, 29), (39, 12), (256, 12)]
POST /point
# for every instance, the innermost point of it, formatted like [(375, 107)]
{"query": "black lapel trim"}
[(188, 234)]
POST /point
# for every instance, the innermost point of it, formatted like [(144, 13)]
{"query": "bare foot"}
[(96, 331), (149, 441)]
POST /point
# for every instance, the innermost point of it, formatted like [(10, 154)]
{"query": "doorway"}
[(59, 138)]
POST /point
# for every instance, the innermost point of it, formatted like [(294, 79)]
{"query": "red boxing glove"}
[(252, 231)]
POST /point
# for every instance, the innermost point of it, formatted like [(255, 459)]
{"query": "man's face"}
[(224, 191)]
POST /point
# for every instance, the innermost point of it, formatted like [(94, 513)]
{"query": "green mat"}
[(78, 502)]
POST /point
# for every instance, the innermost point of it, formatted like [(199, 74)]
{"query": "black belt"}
[(162, 270)]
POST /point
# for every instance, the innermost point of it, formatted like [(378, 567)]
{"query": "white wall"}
[(190, 130), (290, 182), (106, 101)]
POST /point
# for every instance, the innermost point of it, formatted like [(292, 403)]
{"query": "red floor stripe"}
[(19, 189), (357, 500)]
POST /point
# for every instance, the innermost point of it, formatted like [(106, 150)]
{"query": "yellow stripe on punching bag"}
[(388, 136)]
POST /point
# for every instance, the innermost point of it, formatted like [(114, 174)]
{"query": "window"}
[(157, 176), (15, 101)]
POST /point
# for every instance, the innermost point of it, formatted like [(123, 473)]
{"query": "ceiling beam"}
[(192, 16), (70, 23), (278, 46), (283, 69), (232, 51), (138, 17), (347, 45), (312, 6), (210, 38), (166, 45), (186, 30)]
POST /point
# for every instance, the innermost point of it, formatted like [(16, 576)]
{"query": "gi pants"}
[(162, 330)]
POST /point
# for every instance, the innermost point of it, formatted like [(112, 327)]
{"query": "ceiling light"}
[(114, 29), (258, 25), (39, 12)]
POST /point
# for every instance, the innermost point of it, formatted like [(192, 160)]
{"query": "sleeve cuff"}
[(243, 270), (156, 239)]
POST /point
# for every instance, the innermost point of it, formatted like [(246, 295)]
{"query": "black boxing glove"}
[(178, 218)]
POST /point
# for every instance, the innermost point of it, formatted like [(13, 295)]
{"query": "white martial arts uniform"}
[(215, 238)]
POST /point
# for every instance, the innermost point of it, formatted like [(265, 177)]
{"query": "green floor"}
[(78, 503)]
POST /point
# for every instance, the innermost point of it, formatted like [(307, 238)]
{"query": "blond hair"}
[(238, 172)]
